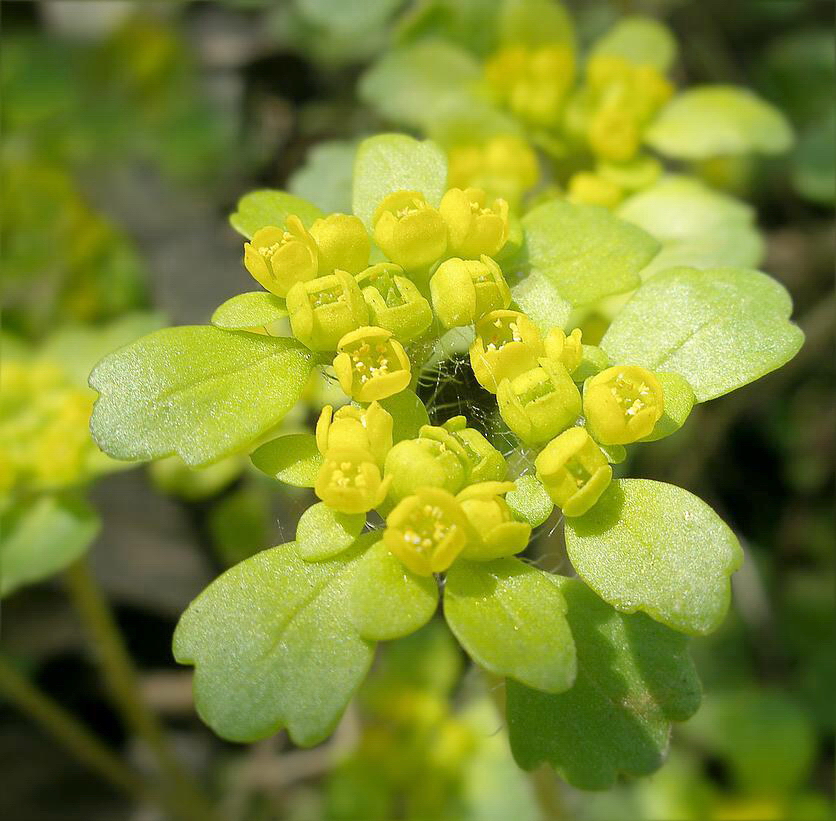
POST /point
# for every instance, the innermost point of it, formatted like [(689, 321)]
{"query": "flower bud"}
[(409, 231), (431, 460), (352, 427), (394, 302), (484, 462), (427, 531), (323, 310), (507, 344), (343, 243), (614, 133), (349, 481), (592, 189), (463, 290), (622, 404), (278, 258), (568, 350), (498, 535), (371, 365), (574, 471), (474, 227), (539, 403)]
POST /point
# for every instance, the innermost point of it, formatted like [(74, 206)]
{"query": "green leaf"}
[(709, 121), (323, 532), (529, 501), (696, 225), (393, 162), (510, 618), (409, 415), (535, 23), (813, 169), (41, 537), (386, 600), (584, 251), (272, 647), (268, 207), (720, 328), (197, 391), (538, 298), (255, 309), (634, 678), (679, 401), (325, 178), (655, 547), (640, 40), (293, 459)]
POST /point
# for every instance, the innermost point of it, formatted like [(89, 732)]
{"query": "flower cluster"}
[(443, 491)]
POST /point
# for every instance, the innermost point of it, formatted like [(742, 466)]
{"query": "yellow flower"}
[(464, 290), (507, 344), (343, 243), (278, 258), (349, 481), (352, 427), (498, 535), (394, 302), (592, 189), (371, 364), (474, 227), (568, 350), (409, 231)]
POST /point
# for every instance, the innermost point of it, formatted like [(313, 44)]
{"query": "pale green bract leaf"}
[(197, 391), (409, 415), (640, 40), (536, 23), (393, 162), (325, 178), (42, 537), (710, 121), (255, 309), (269, 207), (657, 548), (634, 678), (510, 618), (529, 501), (720, 328), (538, 298), (323, 532), (584, 251), (696, 225), (293, 459), (272, 647), (385, 600), (679, 402)]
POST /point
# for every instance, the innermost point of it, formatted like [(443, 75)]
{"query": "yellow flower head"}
[(507, 344), (349, 481), (394, 302), (567, 350), (464, 290), (343, 243), (498, 535), (278, 258), (371, 364), (352, 427), (409, 231), (475, 227)]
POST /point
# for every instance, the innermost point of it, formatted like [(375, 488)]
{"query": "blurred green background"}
[(129, 130)]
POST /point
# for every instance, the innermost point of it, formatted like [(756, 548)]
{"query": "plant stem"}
[(69, 731), (185, 798)]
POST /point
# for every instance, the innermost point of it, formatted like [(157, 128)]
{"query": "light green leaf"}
[(710, 121), (640, 40), (197, 391), (353, 18), (538, 298), (634, 678), (268, 207), (272, 647), (813, 169), (536, 23), (255, 309), (679, 401), (409, 415), (696, 225), (720, 328), (655, 547), (509, 617), (323, 532), (325, 178), (42, 537), (584, 251), (386, 600), (293, 459), (529, 501), (394, 162)]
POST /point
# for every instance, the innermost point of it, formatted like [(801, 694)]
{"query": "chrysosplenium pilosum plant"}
[(423, 503)]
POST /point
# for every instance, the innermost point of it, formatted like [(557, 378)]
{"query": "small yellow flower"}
[(568, 350), (475, 227), (592, 189), (394, 302), (349, 481), (463, 290), (507, 344), (371, 364), (427, 531), (574, 471), (409, 231), (343, 243), (434, 459), (278, 258), (352, 427), (484, 461), (489, 515), (622, 404)]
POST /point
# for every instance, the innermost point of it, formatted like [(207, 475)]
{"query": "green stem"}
[(69, 732), (185, 798)]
